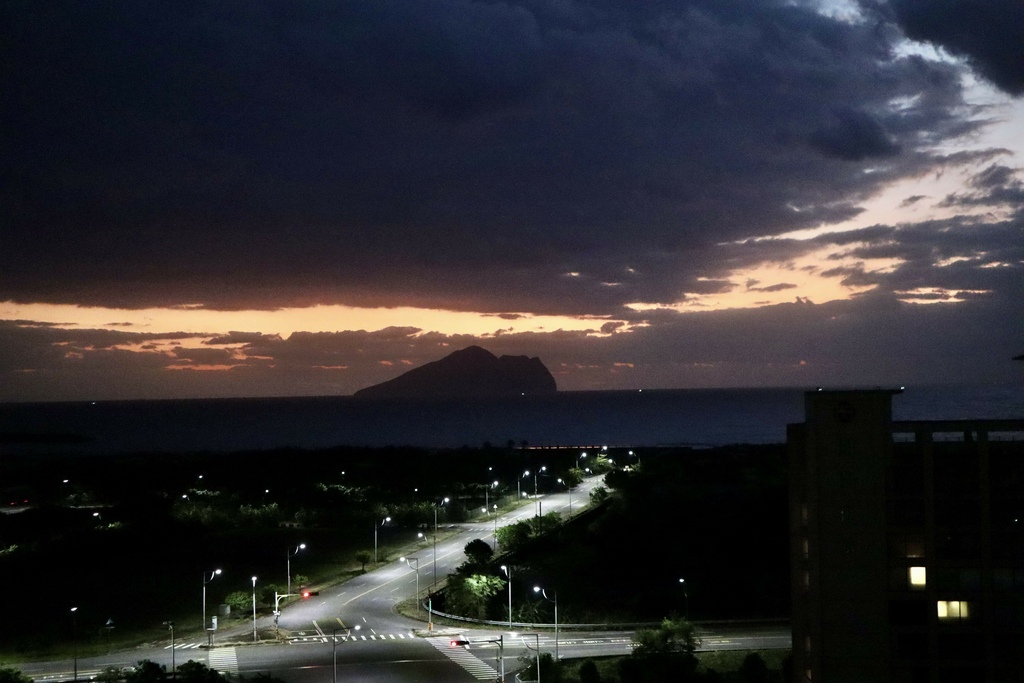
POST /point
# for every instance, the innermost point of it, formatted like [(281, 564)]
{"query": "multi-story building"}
[(907, 545)]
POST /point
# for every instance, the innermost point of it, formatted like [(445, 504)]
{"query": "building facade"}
[(907, 544)]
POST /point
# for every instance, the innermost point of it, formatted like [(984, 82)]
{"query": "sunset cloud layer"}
[(691, 193)]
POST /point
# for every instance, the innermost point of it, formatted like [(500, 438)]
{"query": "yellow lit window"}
[(917, 576), (952, 609)]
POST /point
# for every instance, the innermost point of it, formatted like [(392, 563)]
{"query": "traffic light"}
[(306, 594)]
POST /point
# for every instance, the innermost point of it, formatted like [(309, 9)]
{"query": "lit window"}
[(952, 609), (917, 576)]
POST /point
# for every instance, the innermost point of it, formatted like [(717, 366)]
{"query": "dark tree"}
[(146, 671), (753, 669), (10, 675), (478, 552), (196, 672), (589, 673)]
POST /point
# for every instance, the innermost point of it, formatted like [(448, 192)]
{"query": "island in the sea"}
[(469, 372)]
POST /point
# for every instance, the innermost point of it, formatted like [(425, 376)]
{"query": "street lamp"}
[(538, 589), (519, 484), (508, 572), (375, 527), (686, 595), (334, 649), (542, 469), (170, 625), (206, 580), (487, 491), (74, 639), (566, 484), (292, 553), (581, 456), (407, 560), (436, 506), (537, 649), (254, 609), (494, 534)]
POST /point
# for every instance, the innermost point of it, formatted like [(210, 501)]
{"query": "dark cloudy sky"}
[(298, 198)]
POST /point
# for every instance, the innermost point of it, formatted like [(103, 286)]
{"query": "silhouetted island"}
[(470, 372)]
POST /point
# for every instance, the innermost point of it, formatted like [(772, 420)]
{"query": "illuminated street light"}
[(436, 506), (569, 488), (538, 589), (206, 580), (508, 572), (407, 560), (254, 609), (542, 469), (291, 554), (334, 648), (375, 527), (74, 639)]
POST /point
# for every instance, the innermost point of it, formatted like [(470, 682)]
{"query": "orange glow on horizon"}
[(192, 320)]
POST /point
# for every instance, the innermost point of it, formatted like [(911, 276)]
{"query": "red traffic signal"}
[(306, 594)]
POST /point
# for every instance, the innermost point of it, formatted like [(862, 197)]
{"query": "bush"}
[(9, 675)]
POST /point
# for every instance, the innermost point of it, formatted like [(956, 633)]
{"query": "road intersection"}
[(353, 631)]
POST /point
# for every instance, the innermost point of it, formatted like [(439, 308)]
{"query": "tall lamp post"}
[(537, 650), (508, 572), (74, 639), (581, 456), (542, 469), (487, 494), (375, 527), (254, 609), (436, 506), (538, 589), (292, 553), (686, 595), (569, 488), (334, 649), (207, 579), (407, 560), (494, 534), (170, 625)]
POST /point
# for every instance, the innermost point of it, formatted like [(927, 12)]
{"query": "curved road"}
[(352, 632)]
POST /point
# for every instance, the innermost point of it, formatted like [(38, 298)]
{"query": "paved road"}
[(356, 626)]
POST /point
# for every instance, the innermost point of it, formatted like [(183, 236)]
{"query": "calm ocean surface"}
[(699, 417)]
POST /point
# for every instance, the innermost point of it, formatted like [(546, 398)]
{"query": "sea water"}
[(695, 417)]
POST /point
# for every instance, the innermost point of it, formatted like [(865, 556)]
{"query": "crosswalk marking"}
[(464, 658), (224, 660)]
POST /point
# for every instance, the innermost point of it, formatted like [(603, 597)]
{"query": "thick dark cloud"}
[(988, 33), (438, 153)]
